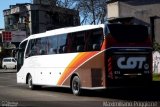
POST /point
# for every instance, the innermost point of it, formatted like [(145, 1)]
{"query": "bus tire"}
[(5, 67), (76, 86), (15, 67), (30, 83)]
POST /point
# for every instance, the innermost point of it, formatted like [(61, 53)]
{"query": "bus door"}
[(20, 55), (20, 59)]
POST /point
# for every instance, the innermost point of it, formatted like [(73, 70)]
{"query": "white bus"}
[(89, 57)]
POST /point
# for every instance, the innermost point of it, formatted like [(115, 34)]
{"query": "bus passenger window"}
[(94, 41), (38, 46), (42, 52), (35, 47), (62, 43), (80, 48), (30, 49), (52, 45), (78, 42), (95, 46), (23, 45), (44, 46)]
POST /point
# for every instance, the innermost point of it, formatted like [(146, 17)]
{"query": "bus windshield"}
[(128, 33)]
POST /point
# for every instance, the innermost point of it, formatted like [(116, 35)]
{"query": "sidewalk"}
[(8, 71)]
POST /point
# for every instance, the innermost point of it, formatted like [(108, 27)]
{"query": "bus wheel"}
[(76, 86), (15, 66), (30, 84), (5, 67)]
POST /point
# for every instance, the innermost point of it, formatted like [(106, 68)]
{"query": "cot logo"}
[(132, 62)]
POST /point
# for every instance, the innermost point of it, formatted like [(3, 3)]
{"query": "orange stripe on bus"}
[(76, 62)]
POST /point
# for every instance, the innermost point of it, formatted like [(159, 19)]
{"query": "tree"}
[(156, 46), (91, 11), (65, 3)]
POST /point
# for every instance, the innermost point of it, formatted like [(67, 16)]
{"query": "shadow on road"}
[(56, 89), (133, 94)]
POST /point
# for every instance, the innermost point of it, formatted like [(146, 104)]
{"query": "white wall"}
[(156, 62), (113, 10), (141, 12)]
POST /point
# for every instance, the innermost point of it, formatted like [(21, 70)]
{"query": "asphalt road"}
[(13, 94)]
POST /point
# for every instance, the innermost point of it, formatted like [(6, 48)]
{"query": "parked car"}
[(9, 62)]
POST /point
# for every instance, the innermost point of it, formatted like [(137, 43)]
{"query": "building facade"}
[(146, 12), (1, 30), (22, 20), (39, 17)]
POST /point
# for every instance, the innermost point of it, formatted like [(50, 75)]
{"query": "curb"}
[(8, 72)]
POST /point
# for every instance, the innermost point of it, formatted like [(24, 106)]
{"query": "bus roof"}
[(65, 30)]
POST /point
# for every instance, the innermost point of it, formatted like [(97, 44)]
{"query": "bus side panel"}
[(50, 70), (91, 73), (24, 71), (21, 76), (46, 69)]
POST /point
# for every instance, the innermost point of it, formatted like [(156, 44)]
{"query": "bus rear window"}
[(128, 33)]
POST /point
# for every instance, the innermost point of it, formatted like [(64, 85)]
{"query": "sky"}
[(4, 4)]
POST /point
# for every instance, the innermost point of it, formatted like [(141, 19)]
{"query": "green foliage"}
[(156, 46), (91, 11), (156, 77)]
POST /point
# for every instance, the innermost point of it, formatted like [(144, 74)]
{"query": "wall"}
[(157, 30), (140, 10), (156, 62), (37, 20), (44, 2), (113, 9), (143, 12)]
